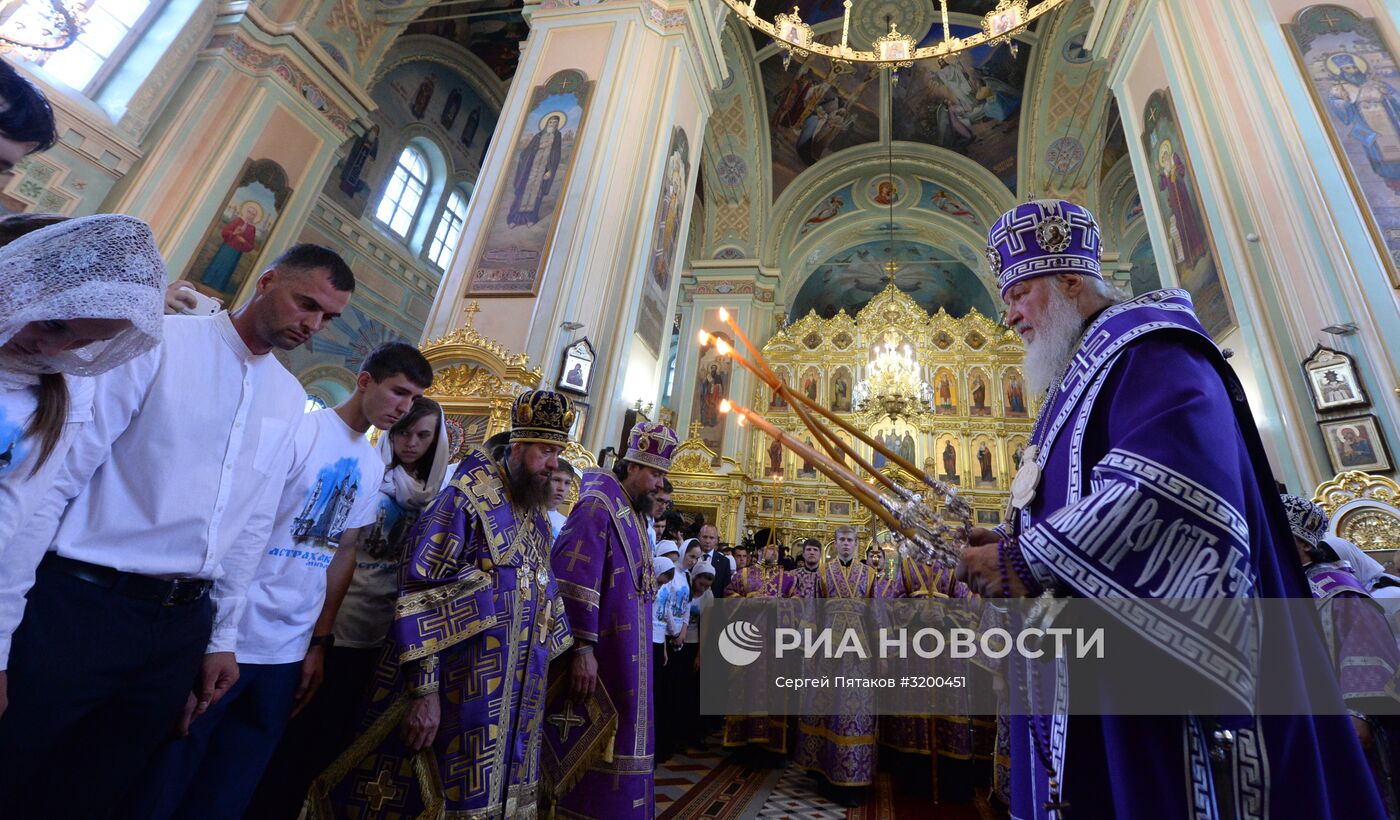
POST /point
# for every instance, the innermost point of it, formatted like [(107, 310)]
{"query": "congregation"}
[(215, 604)]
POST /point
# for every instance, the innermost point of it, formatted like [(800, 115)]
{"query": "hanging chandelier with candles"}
[(893, 385), (895, 49)]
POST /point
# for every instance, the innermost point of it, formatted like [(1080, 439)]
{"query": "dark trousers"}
[(211, 772), (317, 736), (96, 681), (687, 681)]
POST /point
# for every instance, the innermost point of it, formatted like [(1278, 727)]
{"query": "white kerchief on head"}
[(95, 267), (408, 490), (1367, 569)]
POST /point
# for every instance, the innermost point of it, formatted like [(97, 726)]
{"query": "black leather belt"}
[(164, 591)]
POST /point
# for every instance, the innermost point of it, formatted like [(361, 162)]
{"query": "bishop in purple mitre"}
[(602, 559), (457, 702), (1146, 478)]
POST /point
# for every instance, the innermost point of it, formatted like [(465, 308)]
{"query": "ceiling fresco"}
[(933, 277)]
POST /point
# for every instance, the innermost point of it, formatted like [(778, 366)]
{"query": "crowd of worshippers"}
[(214, 603)]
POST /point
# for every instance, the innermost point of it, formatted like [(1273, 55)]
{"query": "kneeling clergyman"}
[(457, 702)]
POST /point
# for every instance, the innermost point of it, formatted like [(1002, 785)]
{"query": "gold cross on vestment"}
[(482, 488), (381, 790), (575, 556), (565, 721), (617, 627)]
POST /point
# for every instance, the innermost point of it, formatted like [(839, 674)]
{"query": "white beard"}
[(1056, 339)]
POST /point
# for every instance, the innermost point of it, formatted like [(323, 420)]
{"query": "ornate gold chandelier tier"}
[(895, 49)]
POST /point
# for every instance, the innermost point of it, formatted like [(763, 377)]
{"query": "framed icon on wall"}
[(1356, 443), (576, 372), (1332, 380)]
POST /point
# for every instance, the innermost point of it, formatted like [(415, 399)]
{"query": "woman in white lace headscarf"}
[(76, 299)]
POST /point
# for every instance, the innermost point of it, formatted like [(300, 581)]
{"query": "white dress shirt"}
[(178, 474)]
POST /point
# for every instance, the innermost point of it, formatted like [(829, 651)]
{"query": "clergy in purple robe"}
[(1145, 429), (764, 579), (454, 720), (1359, 642), (836, 736), (602, 559)]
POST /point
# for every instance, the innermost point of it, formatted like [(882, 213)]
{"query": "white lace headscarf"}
[(94, 267)]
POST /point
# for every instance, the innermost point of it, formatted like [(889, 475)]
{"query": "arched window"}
[(112, 28), (449, 230), (404, 193)]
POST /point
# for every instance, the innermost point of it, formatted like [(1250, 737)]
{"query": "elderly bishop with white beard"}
[(1143, 428)]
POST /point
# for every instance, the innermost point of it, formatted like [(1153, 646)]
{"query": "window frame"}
[(443, 213), (112, 62), (407, 236)]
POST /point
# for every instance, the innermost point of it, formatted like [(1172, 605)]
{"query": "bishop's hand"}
[(981, 569), (420, 722)]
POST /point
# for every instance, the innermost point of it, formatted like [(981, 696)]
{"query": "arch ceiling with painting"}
[(798, 158)]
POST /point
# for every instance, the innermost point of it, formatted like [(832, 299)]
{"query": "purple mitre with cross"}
[(1043, 237), (653, 444)]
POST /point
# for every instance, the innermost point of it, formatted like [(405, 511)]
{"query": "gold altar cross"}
[(381, 790), (575, 556), (565, 721), (472, 309)]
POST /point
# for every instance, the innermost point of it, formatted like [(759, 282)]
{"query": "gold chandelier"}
[(892, 385), (895, 49)]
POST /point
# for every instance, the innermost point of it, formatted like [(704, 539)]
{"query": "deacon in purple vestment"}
[(454, 720), (763, 579), (1145, 429), (841, 747), (950, 748), (602, 559), (1359, 641)]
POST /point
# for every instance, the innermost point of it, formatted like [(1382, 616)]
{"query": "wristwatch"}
[(323, 640)]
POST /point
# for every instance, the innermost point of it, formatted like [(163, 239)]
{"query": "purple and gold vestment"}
[(1364, 655), (841, 747), (756, 582), (602, 560), (477, 621)]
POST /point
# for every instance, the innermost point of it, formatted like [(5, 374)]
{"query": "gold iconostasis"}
[(969, 428)]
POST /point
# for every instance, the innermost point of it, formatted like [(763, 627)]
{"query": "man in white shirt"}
[(170, 494), (331, 494)]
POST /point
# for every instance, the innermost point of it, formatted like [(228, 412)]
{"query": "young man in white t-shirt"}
[(559, 485), (331, 493)]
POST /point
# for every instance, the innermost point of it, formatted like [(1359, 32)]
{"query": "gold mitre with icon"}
[(541, 416)]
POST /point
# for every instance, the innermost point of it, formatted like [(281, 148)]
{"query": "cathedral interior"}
[(569, 193)]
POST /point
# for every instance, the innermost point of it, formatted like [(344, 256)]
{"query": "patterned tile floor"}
[(736, 793)]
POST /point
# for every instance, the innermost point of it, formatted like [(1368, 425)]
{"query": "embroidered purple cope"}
[(1155, 485), (477, 621), (602, 559)]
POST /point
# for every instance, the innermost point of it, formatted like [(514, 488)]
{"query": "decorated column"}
[(703, 377), (1271, 186), (581, 214)]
